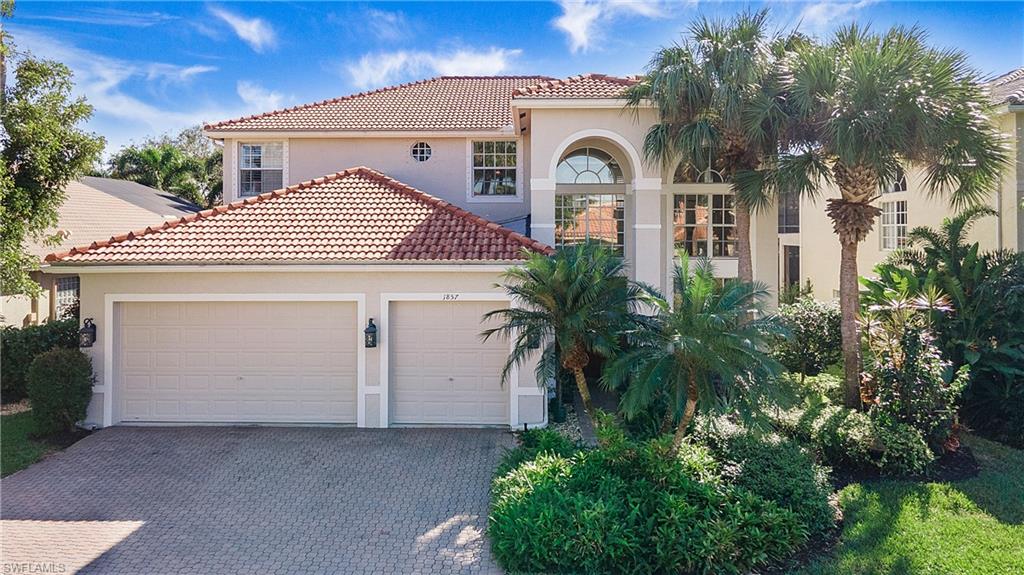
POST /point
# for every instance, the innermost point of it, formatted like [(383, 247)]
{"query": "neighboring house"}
[(810, 251), (255, 311), (94, 209)]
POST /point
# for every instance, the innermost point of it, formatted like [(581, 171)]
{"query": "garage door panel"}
[(440, 370), (306, 372)]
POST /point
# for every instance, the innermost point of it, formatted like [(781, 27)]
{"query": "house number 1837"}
[(449, 297)]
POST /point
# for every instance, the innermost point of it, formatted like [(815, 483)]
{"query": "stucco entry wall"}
[(371, 285)]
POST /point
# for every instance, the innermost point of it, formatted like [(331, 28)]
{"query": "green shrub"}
[(59, 387), (774, 467), (628, 508), (532, 443), (814, 341), (851, 439), (18, 347)]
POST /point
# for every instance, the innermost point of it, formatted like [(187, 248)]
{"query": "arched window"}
[(589, 166), (689, 174)]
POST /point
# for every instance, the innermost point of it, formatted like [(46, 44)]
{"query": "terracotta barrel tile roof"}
[(587, 86), (447, 103), (358, 215), (1008, 88)]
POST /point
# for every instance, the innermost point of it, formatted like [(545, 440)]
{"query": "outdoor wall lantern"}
[(533, 342), (87, 335), (370, 334)]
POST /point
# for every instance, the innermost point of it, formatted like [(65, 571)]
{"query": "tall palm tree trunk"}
[(668, 420), (691, 408), (743, 249), (852, 219), (849, 303)]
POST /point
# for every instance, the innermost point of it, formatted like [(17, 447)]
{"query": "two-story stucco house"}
[(402, 206)]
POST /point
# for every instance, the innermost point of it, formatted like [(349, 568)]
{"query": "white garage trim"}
[(108, 328), (385, 304)]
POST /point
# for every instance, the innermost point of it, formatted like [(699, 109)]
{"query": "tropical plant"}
[(859, 109), (703, 90), (983, 329), (568, 307), (163, 167), (705, 348), (813, 339)]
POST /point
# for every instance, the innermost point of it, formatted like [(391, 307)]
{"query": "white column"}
[(542, 210), (648, 250)]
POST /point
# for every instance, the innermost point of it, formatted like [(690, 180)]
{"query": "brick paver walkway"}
[(255, 500)]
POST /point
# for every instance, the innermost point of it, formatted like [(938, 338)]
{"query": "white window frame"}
[(889, 234), (710, 240), (236, 165), (900, 185), (473, 198), (619, 197), (62, 299), (427, 151)]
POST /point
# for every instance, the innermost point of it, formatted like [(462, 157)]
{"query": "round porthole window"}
[(421, 151)]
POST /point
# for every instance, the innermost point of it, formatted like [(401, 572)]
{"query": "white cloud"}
[(382, 68), (386, 25), (106, 17), (255, 32), (819, 17), (122, 111), (257, 97), (582, 20)]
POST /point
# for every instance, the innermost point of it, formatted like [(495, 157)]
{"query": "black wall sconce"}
[(87, 335), (533, 342), (370, 334)]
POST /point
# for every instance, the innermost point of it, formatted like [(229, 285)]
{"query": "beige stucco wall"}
[(446, 174), (96, 286)]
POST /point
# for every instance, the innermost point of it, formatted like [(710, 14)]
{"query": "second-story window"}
[(494, 169), (789, 214), (900, 185), (590, 217), (260, 168), (705, 224), (894, 225)]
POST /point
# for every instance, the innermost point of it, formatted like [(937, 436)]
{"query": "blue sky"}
[(155, 67)]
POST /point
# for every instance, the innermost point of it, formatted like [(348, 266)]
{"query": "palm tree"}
[(166, 168), (859, 109), (708, 347), (703, 90), (569, 307)]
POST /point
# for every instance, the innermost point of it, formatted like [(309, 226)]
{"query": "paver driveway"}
[(256, 500)]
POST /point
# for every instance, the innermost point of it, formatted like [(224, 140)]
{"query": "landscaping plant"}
[(633, 507), (568, 307), (984, 328), (705, 348), (18, 347), (59, 386), (813, 339), (860, 109)]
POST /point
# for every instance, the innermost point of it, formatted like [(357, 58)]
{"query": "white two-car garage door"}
[(286, 362), (440, 371)]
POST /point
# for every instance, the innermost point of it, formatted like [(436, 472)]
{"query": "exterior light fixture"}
[(87, 335), (533, 342), (370, 334)]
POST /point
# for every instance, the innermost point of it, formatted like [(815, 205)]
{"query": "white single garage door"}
[(275, 362), (440, 371)]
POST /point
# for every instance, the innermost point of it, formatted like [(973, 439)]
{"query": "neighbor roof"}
[(1008, 88), (97, 208), (358, 215), (587, 86), (447, 103)]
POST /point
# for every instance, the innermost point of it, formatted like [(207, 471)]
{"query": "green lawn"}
[(966, 527), (17, 451)]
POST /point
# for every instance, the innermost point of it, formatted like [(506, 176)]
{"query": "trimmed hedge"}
[(59, 387), (627, 507), (18, 347)]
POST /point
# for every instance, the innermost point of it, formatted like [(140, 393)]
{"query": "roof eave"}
[(232, 134), (534, 102)]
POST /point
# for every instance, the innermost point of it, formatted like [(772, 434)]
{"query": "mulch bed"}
[(955, 466), (65, 438)]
